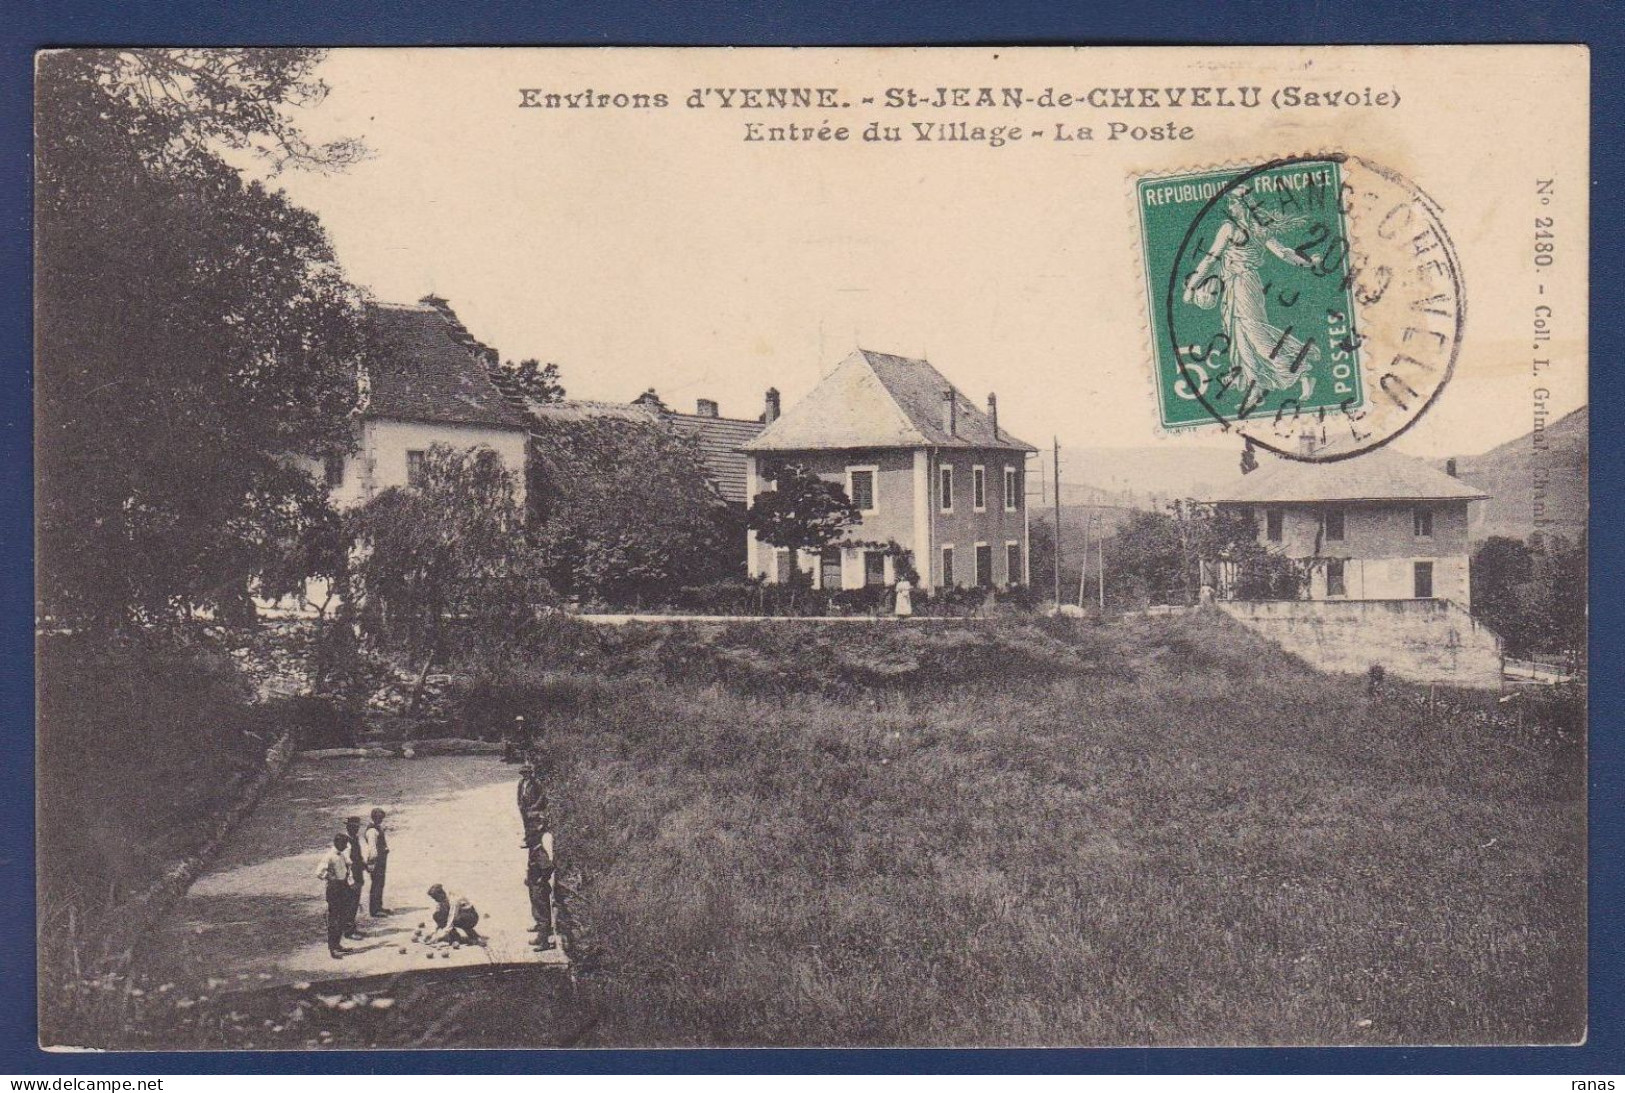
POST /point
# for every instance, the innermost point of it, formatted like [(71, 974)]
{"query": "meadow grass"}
[(1144, 832)]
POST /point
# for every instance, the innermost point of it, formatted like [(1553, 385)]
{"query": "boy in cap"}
[(335, 871), (375, 844), (532, 803), (358, 875)]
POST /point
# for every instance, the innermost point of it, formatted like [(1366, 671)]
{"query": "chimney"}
[(1450, 467), (993, 414), (707, 408), (771, 413), (950, 413)]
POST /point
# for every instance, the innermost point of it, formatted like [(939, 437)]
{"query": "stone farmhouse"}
[(1382, 526), (424, 380), (932, 474), (1385, 541)]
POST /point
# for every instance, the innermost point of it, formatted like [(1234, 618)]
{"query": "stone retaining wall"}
[(1424, 641)]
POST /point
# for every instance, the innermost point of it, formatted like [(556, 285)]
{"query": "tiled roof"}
[(720, 440), (1378, 475), (587, 409), (877, 400), (422, 367)]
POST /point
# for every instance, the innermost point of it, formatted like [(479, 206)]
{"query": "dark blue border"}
[(31, 25)]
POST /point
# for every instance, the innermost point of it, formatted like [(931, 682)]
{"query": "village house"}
[(932, 474), (1381, 526), (424, 380)]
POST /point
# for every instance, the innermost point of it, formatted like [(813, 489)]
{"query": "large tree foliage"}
[(626, 512), (1533, 594), (192, 328), (802, 511), (450, 551)]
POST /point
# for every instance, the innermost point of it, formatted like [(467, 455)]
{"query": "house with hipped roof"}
[(934, 476), (1380, 526)]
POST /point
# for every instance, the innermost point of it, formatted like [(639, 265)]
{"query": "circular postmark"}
[(1314, 305)]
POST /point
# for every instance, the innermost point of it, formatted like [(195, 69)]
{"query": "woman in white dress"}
[(1271, 358)]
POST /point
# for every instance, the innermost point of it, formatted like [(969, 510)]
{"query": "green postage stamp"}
[(1251, 294)]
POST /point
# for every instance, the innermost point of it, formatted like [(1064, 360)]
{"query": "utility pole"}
[(1083, 570), (1101, 547), (1057, 442)]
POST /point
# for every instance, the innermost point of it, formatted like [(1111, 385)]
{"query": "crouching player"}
[(455, 918)]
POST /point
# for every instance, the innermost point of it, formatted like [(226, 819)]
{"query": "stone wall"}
[(1424, 641)]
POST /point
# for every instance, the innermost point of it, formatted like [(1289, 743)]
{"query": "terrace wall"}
[(1424, 641)]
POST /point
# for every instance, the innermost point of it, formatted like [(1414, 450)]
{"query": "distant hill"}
[(1508, 473), (1143, 477)]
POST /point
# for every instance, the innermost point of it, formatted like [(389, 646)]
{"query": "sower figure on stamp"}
[(358, 875), (335, 873), (376, 852), (1267, 356)]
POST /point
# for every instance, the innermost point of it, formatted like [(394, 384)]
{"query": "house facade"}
[(1381, 526), (424, 381), (932, 475)]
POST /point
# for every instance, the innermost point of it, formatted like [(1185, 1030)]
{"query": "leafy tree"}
[(1228, 538), (1501, 567), (534, 380), (1533, 594), (1150, 560), (192, 329), (451, 549), (1158, 557), (625, 511), (802, 511)]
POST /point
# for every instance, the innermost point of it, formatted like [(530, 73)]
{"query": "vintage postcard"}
[(823, 547)]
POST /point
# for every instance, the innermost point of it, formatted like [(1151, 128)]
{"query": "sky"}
[(657, 248)]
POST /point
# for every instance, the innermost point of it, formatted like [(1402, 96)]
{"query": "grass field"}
[(1022, 832), (1153, 832)]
